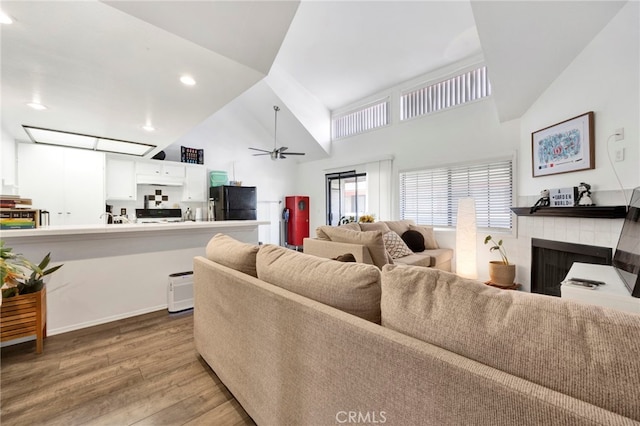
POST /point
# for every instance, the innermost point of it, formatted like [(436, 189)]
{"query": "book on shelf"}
[(10, 223)]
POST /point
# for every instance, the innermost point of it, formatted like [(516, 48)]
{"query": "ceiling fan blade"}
[(261, 150), (295, 153), (264, 153), (283, 148)]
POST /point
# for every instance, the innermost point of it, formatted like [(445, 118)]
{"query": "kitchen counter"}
[(11, 234), (116, 271)]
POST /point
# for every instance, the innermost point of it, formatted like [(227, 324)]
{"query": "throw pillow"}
[(395, 246), (414, 240), (350, 287), (233, 254), (430, 242), (377, 226)]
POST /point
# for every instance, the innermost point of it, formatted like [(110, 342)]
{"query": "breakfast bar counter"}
[(118, 270)]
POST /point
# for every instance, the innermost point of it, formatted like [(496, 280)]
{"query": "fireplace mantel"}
[(597, 212)]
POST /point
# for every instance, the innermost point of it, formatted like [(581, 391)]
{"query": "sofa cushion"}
[(376, 226), (428, 234), (399, 226), (322, 235), (395, 246), (233, 254), (416, 259), (350, 287), (439, 256), (414, 240), (588, 352), (370, 239)]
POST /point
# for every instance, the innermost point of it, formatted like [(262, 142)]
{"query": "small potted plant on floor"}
[(23, 310), (501, 272)]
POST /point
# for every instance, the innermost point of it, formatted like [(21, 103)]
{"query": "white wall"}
[(467, 133), (603, 79), (7, 162)]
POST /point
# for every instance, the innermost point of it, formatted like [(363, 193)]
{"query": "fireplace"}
[(551, 260)]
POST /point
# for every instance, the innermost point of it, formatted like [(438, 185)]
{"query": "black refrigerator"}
[(233, 202)]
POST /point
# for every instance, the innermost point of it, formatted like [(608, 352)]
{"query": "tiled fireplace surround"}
[(594, 232)]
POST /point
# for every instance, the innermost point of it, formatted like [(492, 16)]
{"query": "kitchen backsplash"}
[(164, 197)]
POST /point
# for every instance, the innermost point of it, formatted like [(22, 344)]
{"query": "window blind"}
[(457, 90), (430, 197), (361, 120)]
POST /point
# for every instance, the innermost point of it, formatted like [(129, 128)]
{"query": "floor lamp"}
[(466, 239)]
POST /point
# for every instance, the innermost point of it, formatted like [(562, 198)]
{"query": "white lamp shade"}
[(466, 263)]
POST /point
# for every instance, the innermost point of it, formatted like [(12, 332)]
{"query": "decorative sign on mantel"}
[(563, 197)]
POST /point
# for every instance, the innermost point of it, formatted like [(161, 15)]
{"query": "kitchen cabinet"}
[(195, 184), (120, 176), (67, 182), (175, 170)]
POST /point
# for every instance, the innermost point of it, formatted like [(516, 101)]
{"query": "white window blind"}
[(361, 120), (430, 197), (457, 90)]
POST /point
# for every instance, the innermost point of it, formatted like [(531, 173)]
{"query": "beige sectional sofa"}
[(366, 242), (302, 340)]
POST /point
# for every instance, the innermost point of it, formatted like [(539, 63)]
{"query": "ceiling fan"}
[(277, 153)]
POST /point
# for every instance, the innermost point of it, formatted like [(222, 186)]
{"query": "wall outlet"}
[(619, 137), (620, 154)]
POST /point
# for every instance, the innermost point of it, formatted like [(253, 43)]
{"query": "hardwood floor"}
[(137, 371)]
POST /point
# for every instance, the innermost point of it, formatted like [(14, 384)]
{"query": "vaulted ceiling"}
[(108, 68)]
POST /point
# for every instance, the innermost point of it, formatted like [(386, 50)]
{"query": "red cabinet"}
[(298, 225)]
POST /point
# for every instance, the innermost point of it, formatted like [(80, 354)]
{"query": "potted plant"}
[(23, 311), (501, 272)]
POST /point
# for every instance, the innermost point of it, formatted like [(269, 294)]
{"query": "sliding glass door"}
[(346, 197)]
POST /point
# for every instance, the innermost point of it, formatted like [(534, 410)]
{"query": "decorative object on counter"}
[(188, 215), (198, 216), (191, 155), (501, 272), (584, 195), (277, 153), (543, 201), (23, 310), (565, 147), (367, 218), (563, 197)]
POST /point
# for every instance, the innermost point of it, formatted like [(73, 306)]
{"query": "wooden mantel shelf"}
[(597, 212)]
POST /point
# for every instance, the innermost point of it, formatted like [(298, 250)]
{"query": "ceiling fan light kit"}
[(277, 153)]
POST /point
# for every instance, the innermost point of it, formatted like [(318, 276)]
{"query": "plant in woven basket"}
[(21, 276), (497, 246)]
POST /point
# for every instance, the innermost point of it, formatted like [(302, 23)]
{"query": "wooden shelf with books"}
[(18, 213)]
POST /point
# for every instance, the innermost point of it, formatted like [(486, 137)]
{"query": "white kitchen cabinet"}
[(67, 182), (195, 184), (120, 179), (159, 168)]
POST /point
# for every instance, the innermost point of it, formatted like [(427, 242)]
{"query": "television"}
[(626, 259)]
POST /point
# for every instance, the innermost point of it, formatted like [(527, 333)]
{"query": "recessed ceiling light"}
[(187, 80), (37, 106), (5, 19), (148, 128)]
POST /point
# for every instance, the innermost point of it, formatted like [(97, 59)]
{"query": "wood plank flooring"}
[(137, 371)]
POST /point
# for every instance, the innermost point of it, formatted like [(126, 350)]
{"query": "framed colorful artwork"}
[(565, 147)]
